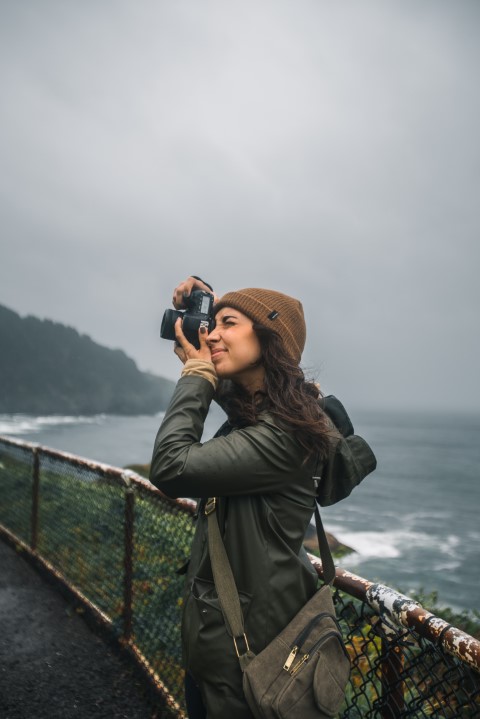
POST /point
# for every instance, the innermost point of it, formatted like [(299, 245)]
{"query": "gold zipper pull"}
[(290, 659), (299, 664)]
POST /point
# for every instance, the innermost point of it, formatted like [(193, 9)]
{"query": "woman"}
[(261, 466)]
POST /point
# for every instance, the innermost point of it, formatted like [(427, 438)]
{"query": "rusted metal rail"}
[(394, 612), (405, 612)]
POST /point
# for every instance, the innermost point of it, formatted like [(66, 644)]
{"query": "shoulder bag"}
[(304, 671)]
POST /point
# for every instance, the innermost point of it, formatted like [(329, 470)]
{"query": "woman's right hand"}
[(185, 350), (185, 289)]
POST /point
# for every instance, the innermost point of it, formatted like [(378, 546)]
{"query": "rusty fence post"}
[(128, 563), (391, 668), (35, 498)]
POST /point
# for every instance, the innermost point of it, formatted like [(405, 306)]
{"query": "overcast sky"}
[(326, 149)]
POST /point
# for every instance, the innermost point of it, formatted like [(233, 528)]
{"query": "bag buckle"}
[(236, 646), (210, 506)]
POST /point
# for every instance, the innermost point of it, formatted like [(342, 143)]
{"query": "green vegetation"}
[(16, 493), (48, 368)]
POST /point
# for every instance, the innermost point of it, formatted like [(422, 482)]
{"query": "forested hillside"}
[(48, 368)]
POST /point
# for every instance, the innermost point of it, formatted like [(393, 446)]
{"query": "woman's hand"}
[(186, 350), (185, 288)]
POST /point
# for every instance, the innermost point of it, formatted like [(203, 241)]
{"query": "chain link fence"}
[(398, 672), (117, 544)]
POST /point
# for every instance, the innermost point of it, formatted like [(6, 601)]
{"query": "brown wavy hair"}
[(287, 395)]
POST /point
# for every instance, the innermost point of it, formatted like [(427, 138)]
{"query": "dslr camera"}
[(198, 313)]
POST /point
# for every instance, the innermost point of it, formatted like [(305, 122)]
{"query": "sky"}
[(329, 150)]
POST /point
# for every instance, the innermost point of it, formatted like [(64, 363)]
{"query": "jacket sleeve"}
[(349, 461), (254, 460)]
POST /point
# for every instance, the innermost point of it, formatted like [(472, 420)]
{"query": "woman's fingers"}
[(189, 351), (185, 289), (204, 350), (185, 350), (180, 352), (181, 292), (181, 339)]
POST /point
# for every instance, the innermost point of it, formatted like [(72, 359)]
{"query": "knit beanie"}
[(282, 313)]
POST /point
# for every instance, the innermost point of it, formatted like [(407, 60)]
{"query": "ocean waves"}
[(21, 424), (398, 544)]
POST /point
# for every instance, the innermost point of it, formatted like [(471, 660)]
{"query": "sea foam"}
[(16, 424)]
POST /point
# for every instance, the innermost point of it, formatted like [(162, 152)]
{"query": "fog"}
[(326, 150)]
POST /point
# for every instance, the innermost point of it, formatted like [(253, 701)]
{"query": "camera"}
[(198, 313)]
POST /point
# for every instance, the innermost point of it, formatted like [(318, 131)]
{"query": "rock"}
[(336, 547)]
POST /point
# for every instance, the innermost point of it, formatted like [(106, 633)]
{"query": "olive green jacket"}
[(266, 497)]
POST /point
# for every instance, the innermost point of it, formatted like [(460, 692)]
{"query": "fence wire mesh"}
[(163, 535), (81, 531), (398, 673), (120, 544), (16, 467)]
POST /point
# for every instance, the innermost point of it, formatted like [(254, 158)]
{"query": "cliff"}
[(49, 368)]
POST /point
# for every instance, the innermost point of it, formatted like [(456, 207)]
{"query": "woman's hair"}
[(287, 395)]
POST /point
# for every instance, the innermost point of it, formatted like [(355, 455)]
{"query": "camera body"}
[(198, 313)]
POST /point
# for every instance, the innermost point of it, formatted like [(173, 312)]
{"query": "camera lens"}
[(167, 329)]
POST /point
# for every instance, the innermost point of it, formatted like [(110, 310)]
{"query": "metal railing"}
[(116, 543)]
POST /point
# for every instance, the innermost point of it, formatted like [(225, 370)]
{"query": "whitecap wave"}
[(393, 544), (396, 543), (413, 517), (450, 544), (16, 424), (445, 566), (369, 544)]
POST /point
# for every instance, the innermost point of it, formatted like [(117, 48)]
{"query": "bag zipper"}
[(299, 641), (307, 656), (290, 658), (306, 631)]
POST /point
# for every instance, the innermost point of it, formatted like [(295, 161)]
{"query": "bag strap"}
[(225, 586), (328, 565), (225, 583)]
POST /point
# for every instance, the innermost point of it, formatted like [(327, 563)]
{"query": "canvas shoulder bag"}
[(304, 671)]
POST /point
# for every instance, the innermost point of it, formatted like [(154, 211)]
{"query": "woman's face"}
[(236, 350)]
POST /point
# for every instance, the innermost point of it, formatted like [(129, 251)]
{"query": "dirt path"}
[(51, 664)]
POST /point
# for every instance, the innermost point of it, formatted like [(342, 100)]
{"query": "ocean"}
[(414, 523)]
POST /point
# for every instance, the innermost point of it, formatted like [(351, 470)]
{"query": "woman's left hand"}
[(186, 350)]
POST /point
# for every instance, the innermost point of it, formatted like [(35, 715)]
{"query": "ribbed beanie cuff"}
[(281, 313)]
